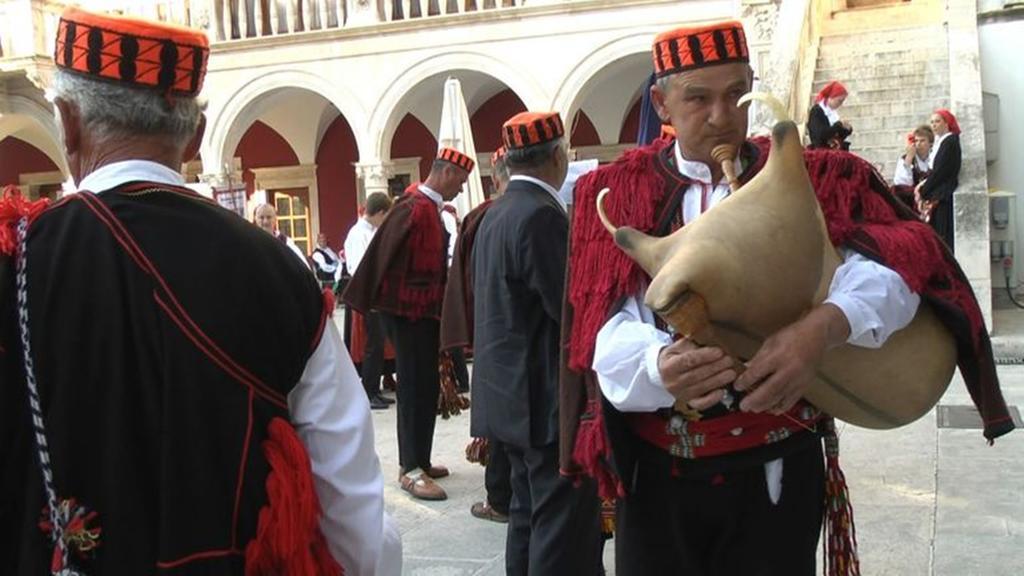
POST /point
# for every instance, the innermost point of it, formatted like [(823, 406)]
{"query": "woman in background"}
[(824, 127), (935, 193)]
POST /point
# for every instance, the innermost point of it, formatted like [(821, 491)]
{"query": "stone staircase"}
[(896, 78)]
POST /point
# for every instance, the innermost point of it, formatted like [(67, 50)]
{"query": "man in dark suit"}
[(518, 275)]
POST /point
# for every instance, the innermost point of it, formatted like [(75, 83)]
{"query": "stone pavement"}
[(928, 501)]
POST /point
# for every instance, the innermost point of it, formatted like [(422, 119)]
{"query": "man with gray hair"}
[(518, 272), (172, 428)]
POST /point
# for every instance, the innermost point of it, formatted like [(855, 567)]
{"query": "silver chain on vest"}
[(59, 515)]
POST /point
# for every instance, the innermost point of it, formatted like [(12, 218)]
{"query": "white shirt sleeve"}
[(452, 227), (331, 414), (356, 244), (626, 359), (904, 176), (874, 299)]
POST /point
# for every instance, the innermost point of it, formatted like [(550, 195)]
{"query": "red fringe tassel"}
[(840, 534), (426, 237), (288, 538), (599, 271), (449, 401), (13, 207), (329, 302), (592, 452)]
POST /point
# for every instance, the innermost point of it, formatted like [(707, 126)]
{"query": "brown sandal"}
[(484, 511), (422, 487)]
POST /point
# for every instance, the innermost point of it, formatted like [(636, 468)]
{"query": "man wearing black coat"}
[(518, 276)]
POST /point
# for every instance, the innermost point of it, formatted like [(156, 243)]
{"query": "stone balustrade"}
[(28, 27)]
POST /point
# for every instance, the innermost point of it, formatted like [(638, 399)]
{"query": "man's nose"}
[(721, 112)]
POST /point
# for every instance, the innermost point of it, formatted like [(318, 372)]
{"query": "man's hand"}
[(783, 369), (697, 376)]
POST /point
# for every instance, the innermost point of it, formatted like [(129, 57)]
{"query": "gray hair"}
[(500, 170), (532, 156), (663, 82), (109, 111)]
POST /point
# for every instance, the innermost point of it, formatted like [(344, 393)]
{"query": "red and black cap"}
[(455, 157), (695, 47), (165, 57), (531, 128)]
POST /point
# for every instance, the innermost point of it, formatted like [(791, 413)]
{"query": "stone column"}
[(970, 202), (774, 63), (374, 176)]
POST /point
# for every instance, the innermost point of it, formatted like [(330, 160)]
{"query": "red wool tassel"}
[(477, 451), (592, 451), (288, 538), (599, 272), (840, 534), (425, 236), (81, 533), (449, 401), (13, 207), (329, 303)]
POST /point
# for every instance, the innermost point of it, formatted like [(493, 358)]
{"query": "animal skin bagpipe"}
[(762, 259)]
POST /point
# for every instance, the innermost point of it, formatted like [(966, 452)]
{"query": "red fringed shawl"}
[(405, 266)]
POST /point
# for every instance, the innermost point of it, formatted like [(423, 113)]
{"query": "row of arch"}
[(399, 124), (376, 126)]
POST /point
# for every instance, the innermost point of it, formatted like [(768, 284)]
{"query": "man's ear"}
[(70, 125), (192, 150), (658, 100)]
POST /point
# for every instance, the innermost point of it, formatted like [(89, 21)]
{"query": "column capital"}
[(375, 176)]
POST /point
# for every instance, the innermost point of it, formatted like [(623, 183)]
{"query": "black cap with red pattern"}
[(165, 57), (695, 47), (455, 157), (531, 128)]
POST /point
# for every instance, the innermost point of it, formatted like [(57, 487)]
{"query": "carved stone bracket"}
[(374, 176), (759, 21)]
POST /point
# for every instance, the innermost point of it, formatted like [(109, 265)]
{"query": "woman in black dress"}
[(824, 127), (936, 191)]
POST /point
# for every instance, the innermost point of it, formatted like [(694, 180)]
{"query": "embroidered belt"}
[(733, 432)]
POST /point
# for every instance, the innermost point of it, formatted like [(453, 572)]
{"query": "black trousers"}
[(416, 345), (498, 477), (461, 372), (554, 528), (373, 354), (720, 524)]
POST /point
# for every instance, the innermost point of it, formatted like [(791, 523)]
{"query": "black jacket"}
[(820, 131), (518, 274), (945, 171)]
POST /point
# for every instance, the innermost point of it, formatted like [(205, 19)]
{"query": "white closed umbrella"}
[(456, 133)]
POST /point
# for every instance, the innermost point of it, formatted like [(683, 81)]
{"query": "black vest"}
[(166, 333)]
